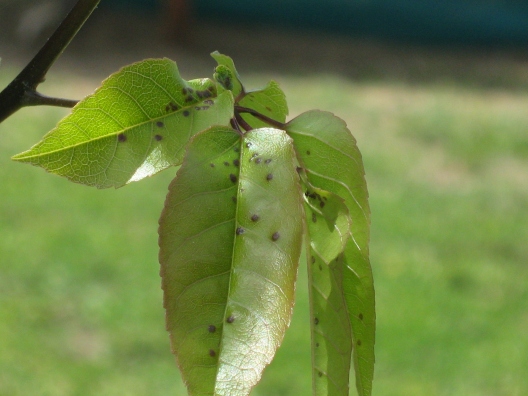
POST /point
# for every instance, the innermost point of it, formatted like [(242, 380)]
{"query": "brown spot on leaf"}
[(186, 113), (255, 218), (233, 178), (121, 138), (360, 316), (269, 177), (275, 236), (211, 328), (239, 231), (358, 342), (212, 353), (158, 137), (171, 107), (236, 162), (230, 319)]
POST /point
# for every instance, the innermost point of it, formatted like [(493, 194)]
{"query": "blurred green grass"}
[(80, 298)]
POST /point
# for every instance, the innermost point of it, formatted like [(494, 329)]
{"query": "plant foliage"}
[(250, 191)]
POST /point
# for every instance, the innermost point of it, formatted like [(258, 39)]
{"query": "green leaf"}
[(269, 101), (328, 153), (135, 125), (328, 226), (226, 74), (230, 239)]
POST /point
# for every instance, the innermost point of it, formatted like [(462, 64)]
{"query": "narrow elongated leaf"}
[(135, 125), (327, 151), (230, 238), (328, 226)]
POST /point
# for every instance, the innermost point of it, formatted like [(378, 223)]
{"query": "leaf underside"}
[(230, 239), (135, 125), (331, 161)]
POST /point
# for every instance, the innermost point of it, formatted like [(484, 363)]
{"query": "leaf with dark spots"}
[(129, 107), (226, 74), (327, 151), (218, 265)]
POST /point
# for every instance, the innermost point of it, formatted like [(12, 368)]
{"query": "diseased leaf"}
[(226, 74), (328, 226), (328, 153), (230, 239), (135, 125), (269, 101)]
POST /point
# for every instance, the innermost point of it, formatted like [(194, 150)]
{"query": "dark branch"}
[(262, 117), (33, 98), (22, 91)]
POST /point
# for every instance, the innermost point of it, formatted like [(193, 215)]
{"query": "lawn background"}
[(446, 156)]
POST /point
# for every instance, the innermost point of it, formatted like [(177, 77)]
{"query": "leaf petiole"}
[(260, 116)]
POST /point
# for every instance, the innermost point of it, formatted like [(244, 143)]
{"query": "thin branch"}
[(262, 117), (22, 90), (33, 98)]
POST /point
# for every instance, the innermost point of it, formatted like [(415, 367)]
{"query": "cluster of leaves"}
[(250, 191)]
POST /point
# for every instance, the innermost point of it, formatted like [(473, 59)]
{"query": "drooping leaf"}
[(269, 101), (328, 226), (328, 153), (226, 74), (230, 239), (135, 125)]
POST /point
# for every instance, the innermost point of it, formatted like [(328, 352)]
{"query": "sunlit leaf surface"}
[(230, 239), (135, 125), (328, 153)]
